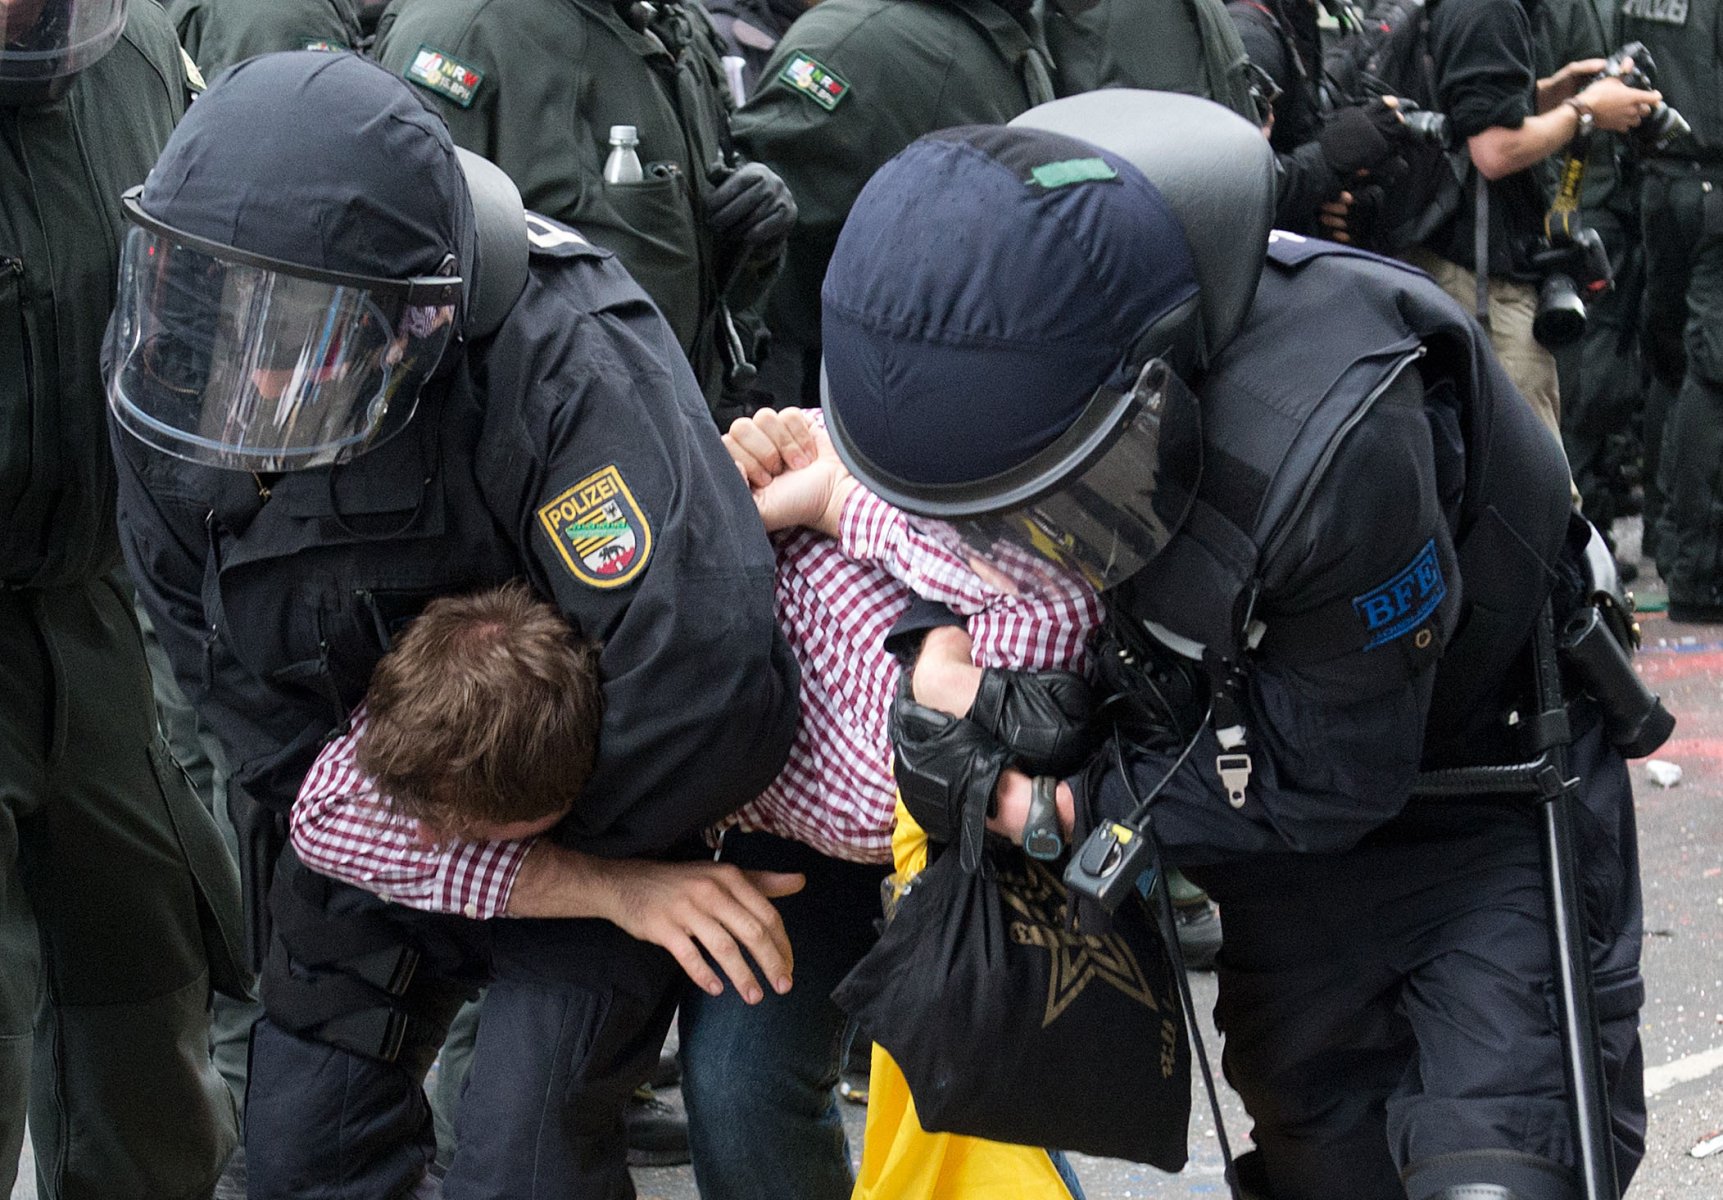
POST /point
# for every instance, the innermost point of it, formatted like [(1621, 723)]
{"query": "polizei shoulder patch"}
[(599, 530), (813, 80), (445, 75)]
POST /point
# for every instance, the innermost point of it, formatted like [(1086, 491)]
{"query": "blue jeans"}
[(763, 1120)]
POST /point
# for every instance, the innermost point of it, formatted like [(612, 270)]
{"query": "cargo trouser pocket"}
[(215, 877)]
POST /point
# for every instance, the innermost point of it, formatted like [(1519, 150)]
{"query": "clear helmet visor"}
[(225, 360), (1125, 479), (43, 40)]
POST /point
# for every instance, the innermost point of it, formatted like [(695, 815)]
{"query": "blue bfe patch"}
[(1397, 607)]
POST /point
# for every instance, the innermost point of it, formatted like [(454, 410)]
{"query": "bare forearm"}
[(555, 881), (945, 678), (1499, 151)]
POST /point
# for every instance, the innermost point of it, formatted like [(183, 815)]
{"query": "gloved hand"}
[(1042, 717), (751, 207), (1358, 138), (947, 770)]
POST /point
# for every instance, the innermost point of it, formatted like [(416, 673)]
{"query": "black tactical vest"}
[(1375, 494)]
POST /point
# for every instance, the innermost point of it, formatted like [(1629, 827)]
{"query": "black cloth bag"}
[(1009, 1027)]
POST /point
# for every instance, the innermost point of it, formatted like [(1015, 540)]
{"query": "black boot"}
[(1489, 1175), (657, 1133)]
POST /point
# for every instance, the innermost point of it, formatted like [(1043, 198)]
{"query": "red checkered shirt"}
[(836, 601)]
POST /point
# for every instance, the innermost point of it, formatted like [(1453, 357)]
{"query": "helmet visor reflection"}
[(1105, 521), (47, 39), (249, 366)]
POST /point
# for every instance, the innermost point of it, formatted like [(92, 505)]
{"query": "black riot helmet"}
[(1010, 316), (45, 43), (299, 259)]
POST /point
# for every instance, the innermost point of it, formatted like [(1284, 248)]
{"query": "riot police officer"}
[(848, 86), (538, 88), (218, 33), (1681, 201), (348, 375), (1326, 547), (118, 902)]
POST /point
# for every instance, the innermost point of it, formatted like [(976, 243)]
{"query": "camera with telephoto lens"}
[(1422, 125), (1573, 269), (1662, 124)]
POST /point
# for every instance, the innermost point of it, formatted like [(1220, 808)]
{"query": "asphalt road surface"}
[(1681, 854)]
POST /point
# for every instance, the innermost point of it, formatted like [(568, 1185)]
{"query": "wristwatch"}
[(1586, 117), (1041, 837)]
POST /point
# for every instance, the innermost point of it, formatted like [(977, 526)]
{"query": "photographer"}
[(1509, 121), (1602, 371), (1682, 209), (1317, 154)]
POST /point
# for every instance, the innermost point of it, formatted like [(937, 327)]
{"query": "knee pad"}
[(1489, 1175)]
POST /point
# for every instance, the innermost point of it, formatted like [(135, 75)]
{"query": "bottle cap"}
[(624, 135)]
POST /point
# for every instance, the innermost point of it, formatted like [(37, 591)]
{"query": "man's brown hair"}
[(486, 709)]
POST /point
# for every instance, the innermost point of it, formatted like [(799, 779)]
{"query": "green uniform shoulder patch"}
[(599, 530), (325, 44), (1072, 170), (445, 75), (817, 82)]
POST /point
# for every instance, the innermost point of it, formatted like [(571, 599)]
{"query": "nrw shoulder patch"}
[(445, 75), (327, 45), (599, 530), (1397, 607), (1667, 12), (818, 83)]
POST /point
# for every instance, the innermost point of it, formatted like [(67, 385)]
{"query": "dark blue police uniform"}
[(1385, 978), (275, 597)]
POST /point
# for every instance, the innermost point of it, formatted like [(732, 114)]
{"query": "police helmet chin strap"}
[(1227, 682), (500, 235)]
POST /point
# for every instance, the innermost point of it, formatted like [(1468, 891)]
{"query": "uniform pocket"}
[(1711, 215), (214, 874), (17, 391), (659, 244)]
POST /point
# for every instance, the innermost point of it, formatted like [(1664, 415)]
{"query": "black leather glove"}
[(1042, 717), (947, 771), (751, 207), (1359, 138)]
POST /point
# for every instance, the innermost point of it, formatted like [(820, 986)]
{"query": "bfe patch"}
[(1399, 605), (599, 530)]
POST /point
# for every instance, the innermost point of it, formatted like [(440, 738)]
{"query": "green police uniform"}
[(1189, 46), (1601, 377), (218, 33), (117, 899), (851, 84), (1682, 211), (535, 86)]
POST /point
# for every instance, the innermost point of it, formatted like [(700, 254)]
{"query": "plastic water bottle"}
[(623, 165)]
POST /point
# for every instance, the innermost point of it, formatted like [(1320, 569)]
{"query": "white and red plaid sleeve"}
[(344, 828), (872, 531), (1039, 630)]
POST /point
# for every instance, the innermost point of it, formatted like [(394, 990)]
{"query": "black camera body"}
[(1421, 125), (1663, 124), (1574, 269)]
